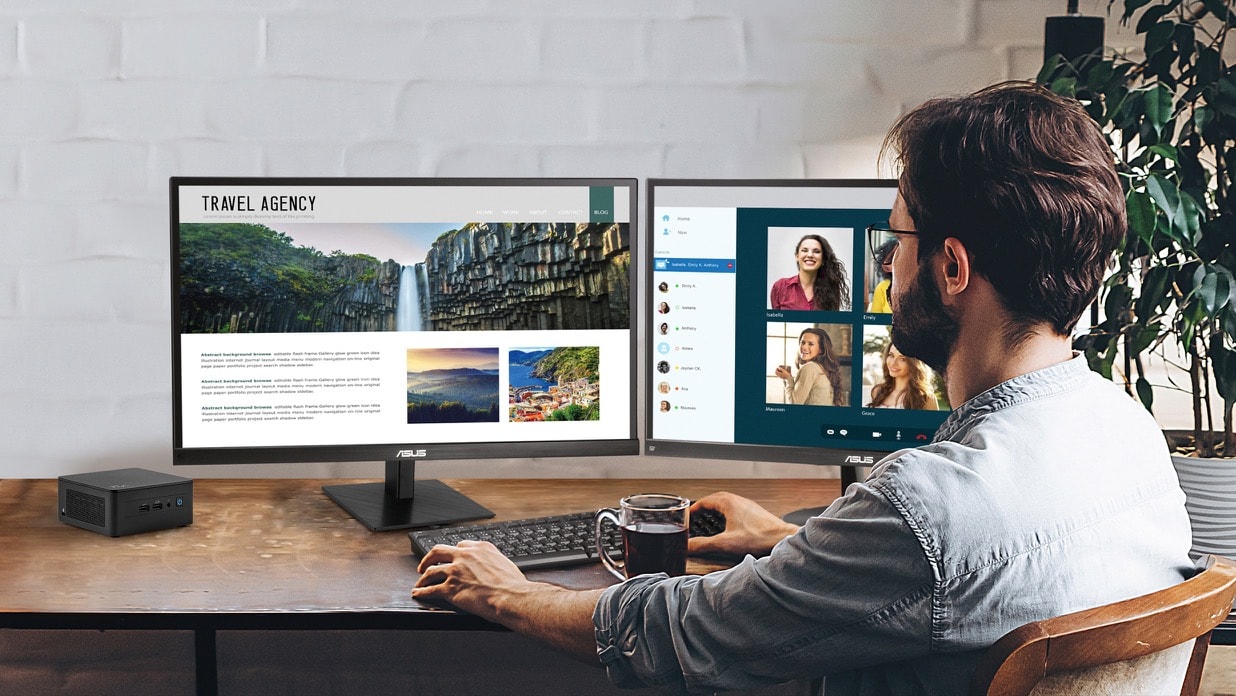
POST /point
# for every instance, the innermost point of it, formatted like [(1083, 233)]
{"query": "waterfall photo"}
[(282, 277)]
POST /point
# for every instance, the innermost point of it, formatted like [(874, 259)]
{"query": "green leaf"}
[(1131, 6), (1154, 291), (1128, 111), (1160, 61), (1226, 98), (1229, 322), (1145, 393), (1208, 67), (1167, 197), (1223, 367), (1151, 16), (1141, 214), (1183, 37), (1159, 37), (1165, 150), (1191, 217), (1214, 287), (1227, 85), (1144, 337), (1099, 75), (1108, 358), (1202, 116), (1189, 320), (1100, 361), (1117, 302), (1049, 69), (1159, 107), (1219, 9), (1064, 86)]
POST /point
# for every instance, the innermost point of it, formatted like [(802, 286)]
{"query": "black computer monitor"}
[(729, 324), (402, 320)]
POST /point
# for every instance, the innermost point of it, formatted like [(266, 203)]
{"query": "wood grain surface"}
[(280, 545)]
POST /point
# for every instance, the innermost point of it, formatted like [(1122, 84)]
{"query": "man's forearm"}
[(558, 616)]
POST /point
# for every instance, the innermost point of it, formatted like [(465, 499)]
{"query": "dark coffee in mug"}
[(655, 548)]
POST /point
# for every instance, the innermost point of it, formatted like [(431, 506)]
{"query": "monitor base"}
[(432, 503), (800, 517)]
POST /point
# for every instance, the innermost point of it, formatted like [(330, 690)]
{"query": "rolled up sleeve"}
[(852, 588)]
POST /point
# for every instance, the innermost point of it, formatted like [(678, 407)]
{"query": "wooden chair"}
[(1075, 647)]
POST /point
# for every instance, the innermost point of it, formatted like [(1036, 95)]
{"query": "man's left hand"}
[(476, 577), (473, 576)]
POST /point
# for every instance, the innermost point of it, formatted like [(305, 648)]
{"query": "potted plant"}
[(1169, 112)]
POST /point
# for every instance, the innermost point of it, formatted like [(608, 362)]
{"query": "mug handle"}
[(610, 514)]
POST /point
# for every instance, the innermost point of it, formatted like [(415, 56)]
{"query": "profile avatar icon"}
[(663, 387), (663, 308), (663, 328), (663, 367), (665, 407), (663, 287)]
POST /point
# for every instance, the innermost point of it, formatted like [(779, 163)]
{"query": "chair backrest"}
[(1113, 633)]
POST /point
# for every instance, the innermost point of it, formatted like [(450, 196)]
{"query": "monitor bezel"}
[(822, 456), (385, 452)]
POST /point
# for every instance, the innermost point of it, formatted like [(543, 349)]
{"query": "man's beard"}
[(922, 326)]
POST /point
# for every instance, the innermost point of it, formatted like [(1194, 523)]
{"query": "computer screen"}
[(768, 326), (402, 320)]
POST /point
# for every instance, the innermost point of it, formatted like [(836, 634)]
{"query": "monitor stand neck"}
[(402, 502), (401, 479)]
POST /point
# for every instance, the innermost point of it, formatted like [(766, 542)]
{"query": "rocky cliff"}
[(507, 276), (361, 296)]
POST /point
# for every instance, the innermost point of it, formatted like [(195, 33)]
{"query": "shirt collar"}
[(1047, 381)]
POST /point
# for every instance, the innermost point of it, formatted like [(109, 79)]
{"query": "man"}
[(1046, 491)]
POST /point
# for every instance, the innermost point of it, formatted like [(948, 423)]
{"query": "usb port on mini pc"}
[(158, 506), (144, 507)]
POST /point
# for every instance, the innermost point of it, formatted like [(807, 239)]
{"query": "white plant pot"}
[(1210, 498)]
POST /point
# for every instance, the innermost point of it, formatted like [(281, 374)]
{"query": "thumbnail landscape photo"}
[(453, 385), (554, 384)]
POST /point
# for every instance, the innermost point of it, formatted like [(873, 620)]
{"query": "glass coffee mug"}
[(654, 534)]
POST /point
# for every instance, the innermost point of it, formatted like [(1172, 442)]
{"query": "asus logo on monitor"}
[(855, 459), (406, 454)]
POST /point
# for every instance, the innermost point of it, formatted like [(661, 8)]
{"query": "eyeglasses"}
[(880, 233)]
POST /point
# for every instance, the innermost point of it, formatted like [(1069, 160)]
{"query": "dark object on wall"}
[(1073, 37), (125, 501)]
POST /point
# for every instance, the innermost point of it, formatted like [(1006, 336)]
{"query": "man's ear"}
[(955, 262)]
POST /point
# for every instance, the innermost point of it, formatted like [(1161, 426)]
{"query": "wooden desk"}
[(276, 554)]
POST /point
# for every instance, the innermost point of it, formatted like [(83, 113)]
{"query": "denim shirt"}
[(1047, 494)]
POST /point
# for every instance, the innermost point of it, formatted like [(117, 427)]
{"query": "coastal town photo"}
[(554, 384)]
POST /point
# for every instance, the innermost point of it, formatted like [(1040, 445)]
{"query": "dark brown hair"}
[(827, 360), (831, 285), (1026, 181), (918, 388)]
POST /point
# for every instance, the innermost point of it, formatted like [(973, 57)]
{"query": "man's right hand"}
[(749, 528)]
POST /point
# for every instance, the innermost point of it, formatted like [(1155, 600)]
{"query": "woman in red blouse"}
[(821, 281)]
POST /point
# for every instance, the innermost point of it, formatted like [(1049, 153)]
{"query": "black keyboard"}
[(548, 542)]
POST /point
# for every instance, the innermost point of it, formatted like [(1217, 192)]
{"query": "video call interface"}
[(741, 353)]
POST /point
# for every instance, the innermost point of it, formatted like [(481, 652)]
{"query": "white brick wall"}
[(101, 102)]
